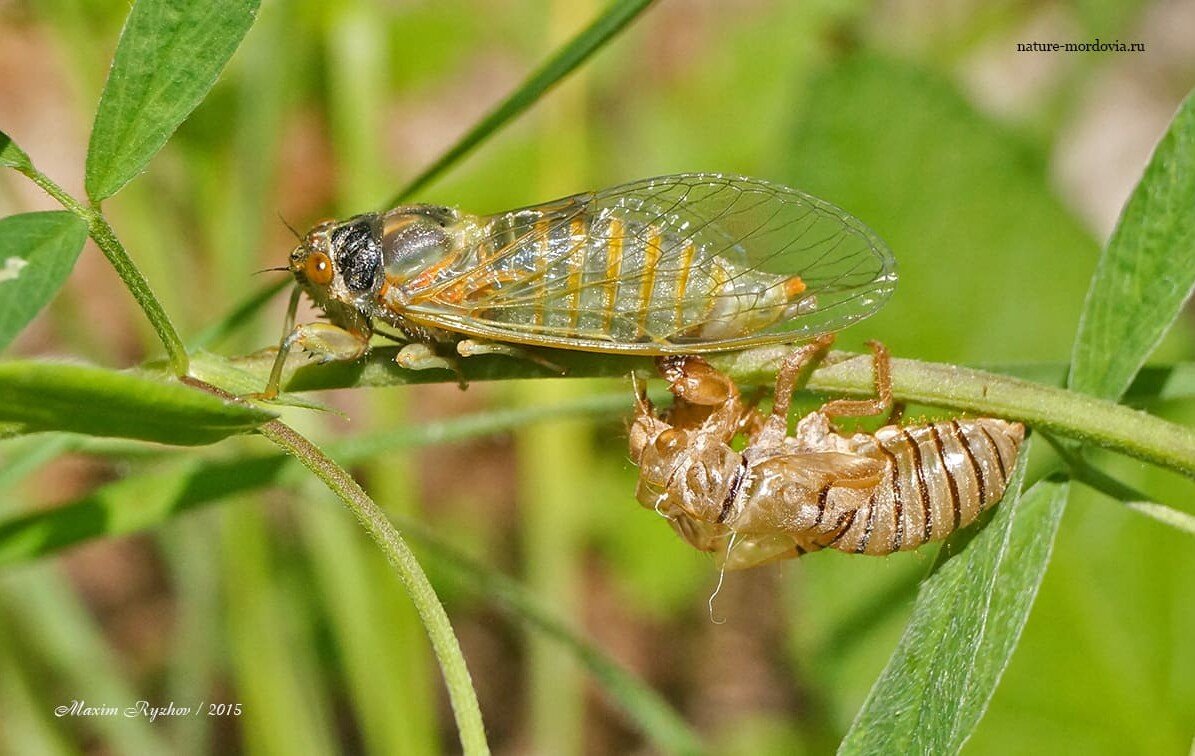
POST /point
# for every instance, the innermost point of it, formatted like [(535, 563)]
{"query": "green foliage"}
[(948, 189), (567, 58), (169, 56), (37, 252), (12, 156), (39, 396), (1146, 273), (150, 499), (965, 625)]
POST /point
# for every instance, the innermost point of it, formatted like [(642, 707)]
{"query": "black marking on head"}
[(358, 254)]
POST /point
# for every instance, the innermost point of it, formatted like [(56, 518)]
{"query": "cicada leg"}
[(705, 398), (793, 373), (474, 347), (420, 355), (882, 403), (695, 381), (324, 340)]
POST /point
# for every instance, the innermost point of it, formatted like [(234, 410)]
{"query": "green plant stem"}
[(1076, 415), (1067, 413), (386, 536), (105, 238), (379, 527)]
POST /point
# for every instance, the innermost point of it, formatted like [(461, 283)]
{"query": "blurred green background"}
[(993, 175)]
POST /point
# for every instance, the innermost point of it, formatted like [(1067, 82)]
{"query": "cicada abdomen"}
[(936, 479)]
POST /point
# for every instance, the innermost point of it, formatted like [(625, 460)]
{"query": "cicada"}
[(687, 263), (781, 495)]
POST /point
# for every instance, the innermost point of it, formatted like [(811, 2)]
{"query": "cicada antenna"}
[(286, 223)]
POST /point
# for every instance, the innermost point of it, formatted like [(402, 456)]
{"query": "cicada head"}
[(340, 261)]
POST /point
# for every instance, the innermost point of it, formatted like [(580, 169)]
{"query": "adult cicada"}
[(688, 263)]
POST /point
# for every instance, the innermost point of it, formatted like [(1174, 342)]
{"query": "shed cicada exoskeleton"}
[(784, 495), (677, 264)]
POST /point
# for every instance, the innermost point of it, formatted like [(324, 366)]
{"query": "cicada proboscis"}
[(687, 263)]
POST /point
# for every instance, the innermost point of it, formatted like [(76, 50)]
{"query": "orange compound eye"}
[(318, 269)]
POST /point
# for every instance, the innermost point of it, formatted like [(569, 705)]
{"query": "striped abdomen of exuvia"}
[(932, 480)]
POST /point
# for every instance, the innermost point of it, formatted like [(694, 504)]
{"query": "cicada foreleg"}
[(706, 399), (326, 341)]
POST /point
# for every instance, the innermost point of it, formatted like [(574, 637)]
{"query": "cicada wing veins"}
[(684, 263)]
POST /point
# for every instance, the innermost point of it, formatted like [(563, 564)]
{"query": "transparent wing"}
[(698, 226)]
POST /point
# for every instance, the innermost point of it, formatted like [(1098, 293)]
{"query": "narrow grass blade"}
[(133, 504), (169, 55), (37, 253), (577, 51), (1085, 473), (147, 500), (40, 396), (22, 456), (461, 694), (239, 316), (967, 620), (1146, 272), (28, 724), (659, 721), (1164, 514), (273, 647), (363, 602), (58, 630)]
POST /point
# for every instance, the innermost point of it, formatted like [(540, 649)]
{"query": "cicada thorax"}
[(422, 248), (597, 277)]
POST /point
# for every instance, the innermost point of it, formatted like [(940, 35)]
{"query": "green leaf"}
[(169, 56), (1146, 272), (966, 622), (43, 396), (1083, 472), (37, 252), (567, 58), (12, 156)]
